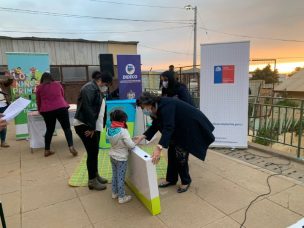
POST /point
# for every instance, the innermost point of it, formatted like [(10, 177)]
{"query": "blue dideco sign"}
[(129, 75)]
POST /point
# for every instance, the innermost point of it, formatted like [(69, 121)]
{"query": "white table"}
[(37, 129)]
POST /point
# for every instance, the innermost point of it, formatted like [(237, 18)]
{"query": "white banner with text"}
[(224, 86)]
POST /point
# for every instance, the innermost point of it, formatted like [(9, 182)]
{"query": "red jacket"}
[(50, 96)]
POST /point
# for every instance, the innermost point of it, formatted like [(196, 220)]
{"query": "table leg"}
[(2, 216)]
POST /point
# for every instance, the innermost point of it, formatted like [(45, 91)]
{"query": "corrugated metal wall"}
[(60, 52)]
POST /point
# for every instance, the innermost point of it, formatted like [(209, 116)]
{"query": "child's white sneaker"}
[(114, 196), (124, 199)]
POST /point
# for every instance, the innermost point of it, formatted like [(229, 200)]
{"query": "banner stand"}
[(27, 69), (224, 81)]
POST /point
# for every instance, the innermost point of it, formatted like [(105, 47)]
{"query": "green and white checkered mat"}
[(80, 176)]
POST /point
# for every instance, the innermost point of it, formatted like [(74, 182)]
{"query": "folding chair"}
[(2, 216)]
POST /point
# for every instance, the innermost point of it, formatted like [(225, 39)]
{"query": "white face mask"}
[(103, 89), (165, 84), (147, 112)]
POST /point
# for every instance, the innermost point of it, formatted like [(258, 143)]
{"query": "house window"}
[(74, 73), (55, 72), (91, 69)]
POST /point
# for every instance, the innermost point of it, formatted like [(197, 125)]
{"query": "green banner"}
[(26, 68)]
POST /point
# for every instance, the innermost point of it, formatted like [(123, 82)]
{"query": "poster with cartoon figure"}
[(26, 69)]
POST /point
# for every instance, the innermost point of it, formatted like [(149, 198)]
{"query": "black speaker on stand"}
[(106, 63)]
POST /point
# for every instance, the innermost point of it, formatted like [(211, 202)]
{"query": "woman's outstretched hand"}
[(156, 156), (138, 139)]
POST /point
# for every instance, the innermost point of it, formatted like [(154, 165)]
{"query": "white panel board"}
[(299, 224), (224, 91), (142, 179)]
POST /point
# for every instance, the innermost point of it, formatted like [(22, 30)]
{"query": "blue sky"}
[(279, 22)]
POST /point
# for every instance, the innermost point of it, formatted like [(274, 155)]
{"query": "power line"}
[(276, 58), (184, 53), (297, 57), (140, 5), (253, 37), (190, 38), (164, 50), (46, 13), (92, 31), (202, 21)]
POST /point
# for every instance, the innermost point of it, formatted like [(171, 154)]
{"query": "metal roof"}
[(68, 40), (293, 84)]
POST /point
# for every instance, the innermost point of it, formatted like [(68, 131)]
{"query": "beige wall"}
[(116, 49)]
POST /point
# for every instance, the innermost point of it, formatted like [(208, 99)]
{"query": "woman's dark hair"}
[(172, 84), (105, 77), (148, 98), (46, 78), (118, 115)]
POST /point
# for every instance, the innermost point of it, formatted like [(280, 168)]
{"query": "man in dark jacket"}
[(88, 123), (171, 69), (182, 123)]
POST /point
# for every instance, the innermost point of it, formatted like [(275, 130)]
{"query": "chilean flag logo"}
[(223, 74)]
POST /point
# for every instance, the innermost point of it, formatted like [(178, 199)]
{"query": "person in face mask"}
[(103, 88), (172, 88), (89, 122), (184, 128)]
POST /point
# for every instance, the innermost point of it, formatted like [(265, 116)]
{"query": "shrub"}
[(288, 103), (267, 133), (297, 127)]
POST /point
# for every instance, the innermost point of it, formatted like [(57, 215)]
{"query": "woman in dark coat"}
[(181, 123), (172, 88)]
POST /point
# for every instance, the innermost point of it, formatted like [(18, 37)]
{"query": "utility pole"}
[(189, 7), (194, 42)]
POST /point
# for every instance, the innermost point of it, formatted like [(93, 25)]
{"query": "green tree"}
[(270, 76)]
